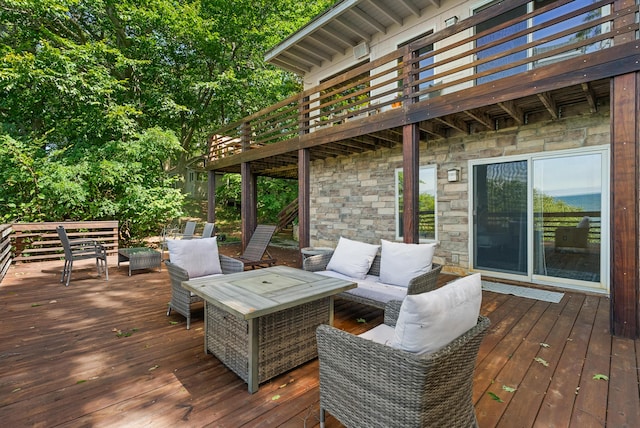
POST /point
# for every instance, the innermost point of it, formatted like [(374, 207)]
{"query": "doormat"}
[(530, 293)]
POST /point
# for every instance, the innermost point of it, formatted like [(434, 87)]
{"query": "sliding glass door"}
[(543, 217)]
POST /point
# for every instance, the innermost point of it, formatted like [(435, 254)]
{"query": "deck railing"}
[(5, 249), (34, 242), (460, 57)]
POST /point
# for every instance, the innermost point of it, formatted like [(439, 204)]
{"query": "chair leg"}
[(189, 321), (169, 310), (69, 269), (322, 416)]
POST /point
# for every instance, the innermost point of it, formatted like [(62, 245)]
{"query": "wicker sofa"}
[(370, 291), (181, 298)]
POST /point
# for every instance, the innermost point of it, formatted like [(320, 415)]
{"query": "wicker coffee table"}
[(140, 258), (262, 323)]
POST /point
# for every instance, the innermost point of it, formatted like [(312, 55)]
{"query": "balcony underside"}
[(384, 130)]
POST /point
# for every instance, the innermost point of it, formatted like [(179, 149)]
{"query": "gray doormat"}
[(516, 290)]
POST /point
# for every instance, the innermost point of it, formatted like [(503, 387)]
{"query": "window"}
[(426, 204), (509, 48), (423, 73)]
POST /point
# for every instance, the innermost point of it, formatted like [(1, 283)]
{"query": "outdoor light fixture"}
[(453, 174), (451, 21)]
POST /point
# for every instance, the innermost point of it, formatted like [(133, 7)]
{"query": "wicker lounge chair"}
[(366, 384), (81, 249), (257, 248), (419, 284), (181, 299)]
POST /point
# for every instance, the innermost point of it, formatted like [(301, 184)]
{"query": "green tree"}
[(100, 98)]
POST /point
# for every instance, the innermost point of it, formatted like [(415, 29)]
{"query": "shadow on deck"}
[(102, 353)]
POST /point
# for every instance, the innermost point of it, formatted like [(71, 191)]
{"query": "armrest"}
[(230, 265), (176, 273), (391, 312), (425, 282), (317, 263)]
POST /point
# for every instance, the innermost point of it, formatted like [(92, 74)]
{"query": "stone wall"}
[(354, 196)]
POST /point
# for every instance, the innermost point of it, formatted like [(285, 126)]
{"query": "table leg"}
[(252, 375)]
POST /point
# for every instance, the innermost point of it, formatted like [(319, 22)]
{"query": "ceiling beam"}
[(366, 19), (363, 36), (455, 123), (322, 55), (388, 12), (290, 65), (480, 116), (591, 96), (331, 38), (411, 7), (310, 59), (432, 128), (513, 110), (550, 104)]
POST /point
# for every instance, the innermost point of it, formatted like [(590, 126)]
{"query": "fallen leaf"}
[(153, 368), (600, 377), (495, 397), (545, 345), (361, 320), (541, 361), (508, 388), (81, 381), (275, 397), (53, 301)]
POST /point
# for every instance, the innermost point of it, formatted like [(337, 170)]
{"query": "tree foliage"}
[(99, 98)]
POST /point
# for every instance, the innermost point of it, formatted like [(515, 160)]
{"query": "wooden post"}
[(211, 196), (304, 218), (625, 125), (249, 192), (410, 191)]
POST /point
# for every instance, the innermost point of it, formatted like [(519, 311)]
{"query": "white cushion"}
[(199, 257), (370, 287), (584, 223), (352, 258), (400, 262), (382, 334), (429, 321)]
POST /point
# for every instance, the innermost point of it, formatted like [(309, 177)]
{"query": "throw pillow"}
[(429, 321), (352, 258), (400, 262), (199, 257)]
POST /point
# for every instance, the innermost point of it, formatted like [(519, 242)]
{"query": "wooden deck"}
[(105, 354)]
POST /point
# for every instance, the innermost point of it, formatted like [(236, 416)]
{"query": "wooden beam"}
[(483, 118), (513, 110), (431, 128), (304, 184), (550, 105), (590, 95), (411, 189), (625, 123), (211, 196), (455, 123), (249, 204)]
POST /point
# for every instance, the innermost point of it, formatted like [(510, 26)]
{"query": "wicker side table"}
[(140, 258)]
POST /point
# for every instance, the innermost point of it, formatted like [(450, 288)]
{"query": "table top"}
[(135, 250), (254, 293)]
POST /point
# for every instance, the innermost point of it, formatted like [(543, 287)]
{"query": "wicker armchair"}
[(181, 299), (419, 284), (367, 384)]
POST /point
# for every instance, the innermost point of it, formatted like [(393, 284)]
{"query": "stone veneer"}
[(354, 196)]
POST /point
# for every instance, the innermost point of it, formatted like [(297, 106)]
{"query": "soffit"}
[(339, 29)]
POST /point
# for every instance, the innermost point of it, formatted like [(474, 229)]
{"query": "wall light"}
[(453, 174), (451, 21)]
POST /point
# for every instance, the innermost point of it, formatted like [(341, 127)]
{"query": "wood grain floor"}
[(101, 353)]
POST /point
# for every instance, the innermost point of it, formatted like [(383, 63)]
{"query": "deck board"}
[(62, 363)]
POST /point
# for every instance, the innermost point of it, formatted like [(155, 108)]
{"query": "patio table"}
[(140, 258), (261, 323)]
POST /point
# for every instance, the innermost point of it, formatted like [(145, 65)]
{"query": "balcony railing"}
[(458, 58)]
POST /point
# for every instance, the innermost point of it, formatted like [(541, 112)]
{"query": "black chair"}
[(81, 249)]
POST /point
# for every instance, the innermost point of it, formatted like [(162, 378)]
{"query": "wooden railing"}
[(454, 59), (5, 249), (33, 242)]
